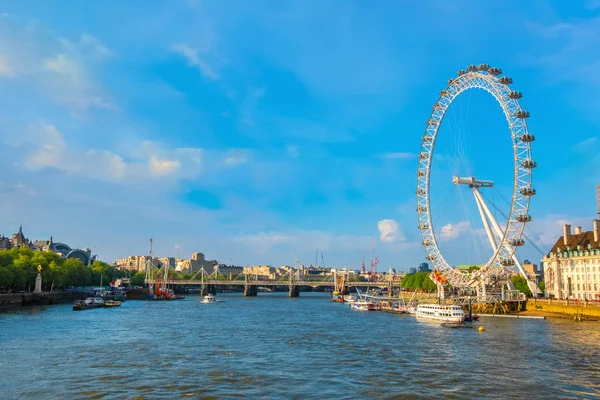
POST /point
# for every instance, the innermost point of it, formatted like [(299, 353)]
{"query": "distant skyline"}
[(263, 130)]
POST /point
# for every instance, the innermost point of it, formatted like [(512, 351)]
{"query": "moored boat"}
[(89, 303), (112, 303), (365, 306), (439, 312)]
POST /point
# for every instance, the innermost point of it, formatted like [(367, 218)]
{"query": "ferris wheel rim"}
[(487, 79)]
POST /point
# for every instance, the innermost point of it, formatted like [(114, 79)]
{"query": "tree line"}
[(18, 271), (418, 281), (421, 281)]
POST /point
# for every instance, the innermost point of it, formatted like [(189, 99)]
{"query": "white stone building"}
[(572, 268)]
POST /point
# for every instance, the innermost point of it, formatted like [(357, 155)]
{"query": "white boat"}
[(365, 306), (438, 312), (350, 299), (209, 298)]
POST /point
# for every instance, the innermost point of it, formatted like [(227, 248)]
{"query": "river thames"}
[(272, 346)]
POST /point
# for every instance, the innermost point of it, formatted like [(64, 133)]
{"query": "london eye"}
[(504, 238)]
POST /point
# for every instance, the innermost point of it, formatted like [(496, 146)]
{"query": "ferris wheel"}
[(503, 239)]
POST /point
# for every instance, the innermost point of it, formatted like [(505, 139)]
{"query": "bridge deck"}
[(281, 283)]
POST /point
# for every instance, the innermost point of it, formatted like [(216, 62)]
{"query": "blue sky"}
[(253, 130)]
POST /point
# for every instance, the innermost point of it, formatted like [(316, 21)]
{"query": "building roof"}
[(580, 239)]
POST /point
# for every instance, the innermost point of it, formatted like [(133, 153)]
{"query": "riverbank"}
[(11, 301)]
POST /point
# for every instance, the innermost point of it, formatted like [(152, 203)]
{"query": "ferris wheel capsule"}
[(494, 71), (514, 95), (527, 138)]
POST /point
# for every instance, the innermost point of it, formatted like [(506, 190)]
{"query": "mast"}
[(150, 268)]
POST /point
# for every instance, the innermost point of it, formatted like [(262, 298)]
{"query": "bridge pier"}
[(250, 291), (206, 289), (294, 291)]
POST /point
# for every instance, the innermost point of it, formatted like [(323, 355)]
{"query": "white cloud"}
[(398, 156), (236, 156), (163, 167), (151, 161), (59, 68), (389, 231), (453, 231), (63, 65), (192, 55), (6, 70), (96, 45)]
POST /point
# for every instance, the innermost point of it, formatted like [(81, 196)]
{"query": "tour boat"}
[(438, 312), (209, 298), (90, 302)]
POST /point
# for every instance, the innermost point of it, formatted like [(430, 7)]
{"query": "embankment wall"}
[(564, 307)]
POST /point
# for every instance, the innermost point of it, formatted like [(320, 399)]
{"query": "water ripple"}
[(275, 347)]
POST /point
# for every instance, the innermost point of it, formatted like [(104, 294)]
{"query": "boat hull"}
[(456, 320), (440, 313), (86, 307)]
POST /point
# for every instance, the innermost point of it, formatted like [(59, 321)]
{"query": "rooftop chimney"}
[(577, 230), (567, 234), (596, 230)]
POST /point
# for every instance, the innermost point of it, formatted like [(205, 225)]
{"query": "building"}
[(19, 240), (5, 243), (230, 271), (267, 272), (535, 273), (164, 261), (423, 267), (572, 267), (259, 271), (198, 262), (195, 264), (134, 263)]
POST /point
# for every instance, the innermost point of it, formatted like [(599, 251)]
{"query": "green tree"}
[(418, 281), (520, 284), (542, 286), (138, 279)]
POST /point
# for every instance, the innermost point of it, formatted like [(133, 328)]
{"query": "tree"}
[(418, 280), (520, 284), (138, 279), (542, 286)]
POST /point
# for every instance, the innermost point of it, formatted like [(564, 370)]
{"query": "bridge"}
[(339, 282)]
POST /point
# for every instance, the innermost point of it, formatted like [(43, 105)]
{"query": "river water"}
[(272, 346)]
